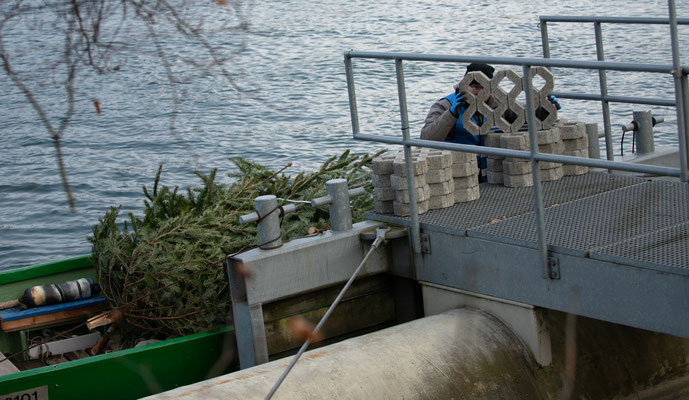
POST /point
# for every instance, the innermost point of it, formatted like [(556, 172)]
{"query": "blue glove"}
[(555, 101), (457, 102)]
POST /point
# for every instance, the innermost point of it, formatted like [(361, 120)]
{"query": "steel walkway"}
[(618, 248)]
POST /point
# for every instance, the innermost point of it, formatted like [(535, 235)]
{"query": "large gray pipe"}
[(460, 354)]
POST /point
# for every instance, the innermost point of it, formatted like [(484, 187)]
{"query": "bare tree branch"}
[(95, 34)]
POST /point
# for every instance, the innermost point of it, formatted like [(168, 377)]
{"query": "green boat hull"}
[(125, 374)]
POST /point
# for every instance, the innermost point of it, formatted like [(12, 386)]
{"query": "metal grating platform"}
[(498, 201), (662, 249), (615, 218)]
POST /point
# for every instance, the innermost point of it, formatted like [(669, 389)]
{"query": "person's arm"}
[(439, 121)]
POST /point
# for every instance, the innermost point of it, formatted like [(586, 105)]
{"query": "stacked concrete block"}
[(575, 142), (399, 183), (516, 172), (550, 141), (494, 167), (384, 194), (465, 177), (439, 178)]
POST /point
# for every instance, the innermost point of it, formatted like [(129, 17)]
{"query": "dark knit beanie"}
[(485, 68)]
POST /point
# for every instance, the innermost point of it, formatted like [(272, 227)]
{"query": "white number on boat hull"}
[(39, 393)]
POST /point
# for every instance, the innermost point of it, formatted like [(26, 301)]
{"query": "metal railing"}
[(604, 98), (681, 103)]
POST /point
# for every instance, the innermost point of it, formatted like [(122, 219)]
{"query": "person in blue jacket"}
[(444, 119)]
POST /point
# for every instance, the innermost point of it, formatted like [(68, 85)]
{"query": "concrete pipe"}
[(463, 353)]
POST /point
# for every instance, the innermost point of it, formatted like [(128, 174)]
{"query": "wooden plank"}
[(38, 321), (18, 313)]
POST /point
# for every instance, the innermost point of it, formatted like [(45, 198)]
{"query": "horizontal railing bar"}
[(546, 62), (616, 99), (611, 20), (495, 151)]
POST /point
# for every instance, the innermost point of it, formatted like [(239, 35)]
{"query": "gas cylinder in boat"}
[(44, 295)]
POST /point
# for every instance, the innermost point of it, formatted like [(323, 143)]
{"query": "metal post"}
[(535, 169), (594, 145), (413, 207), (269, 234), (603, 82), (340, 212), (353, 111), (338, 198), (680, 94), (545, 42), (644, 132), (684, 144), (247, 319)]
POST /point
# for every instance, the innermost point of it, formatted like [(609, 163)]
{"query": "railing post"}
[(413, 206), (545, 42), (681, 95), (353, 111), (603, 82), (535, 170)]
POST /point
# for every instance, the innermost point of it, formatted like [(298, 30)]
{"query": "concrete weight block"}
[(546, 136), (444, 201), (380, 180), (477, 103), (382, 165), (576, 144), (441, 189), (516, 166), (403, 209), (577, 153), (514, 181), (508, 100), (438, 175), (383, 207), (548, 165), (552, 148), (383, 193), (419, 165), (465, 182), (570, 170), (494, 177), (572, 130), (468, 194), (400, 182), (493, 139), (514, 141), (494, 164), (438, 159), (459, 157), (422, 194), (464, 169), (552, 174)]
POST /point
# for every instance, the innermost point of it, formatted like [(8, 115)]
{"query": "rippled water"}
[(292, 106)]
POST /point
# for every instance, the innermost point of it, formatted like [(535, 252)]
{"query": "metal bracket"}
[(553, 268), (425, 243)]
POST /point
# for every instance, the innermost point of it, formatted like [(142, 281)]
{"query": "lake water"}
[(291, 105)]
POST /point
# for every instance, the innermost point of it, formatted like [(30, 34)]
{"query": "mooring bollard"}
[(642, 125), (594, 143), (338, 198), (268, 216)]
